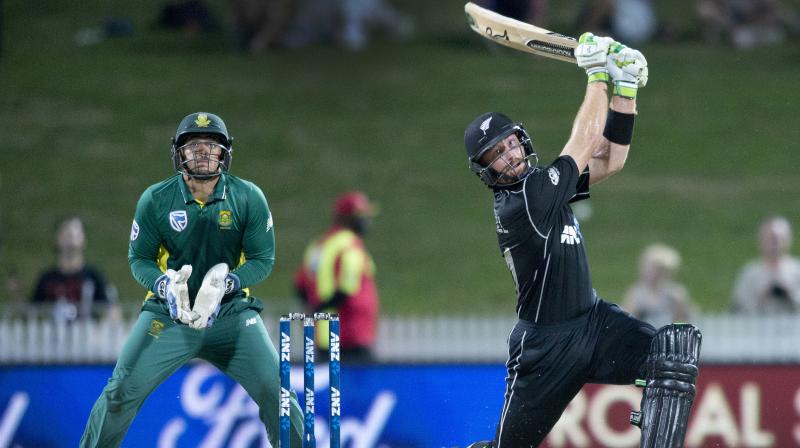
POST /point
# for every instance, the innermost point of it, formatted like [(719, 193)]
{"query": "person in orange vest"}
[(338, 276)]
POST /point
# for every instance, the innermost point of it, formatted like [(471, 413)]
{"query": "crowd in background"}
[(767, 285), (742, 23), (72, 288), (747, 23), (258, 26)]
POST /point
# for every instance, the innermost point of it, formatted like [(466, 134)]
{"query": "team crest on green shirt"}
[(225, 219), (155, 328)]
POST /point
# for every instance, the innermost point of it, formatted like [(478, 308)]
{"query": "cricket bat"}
[(520, 35)]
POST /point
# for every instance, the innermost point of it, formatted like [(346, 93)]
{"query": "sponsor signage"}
[(392, 406)]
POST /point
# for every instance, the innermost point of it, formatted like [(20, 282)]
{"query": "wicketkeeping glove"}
[(173, 288), (628, 69), (591, 54), (207, 302)]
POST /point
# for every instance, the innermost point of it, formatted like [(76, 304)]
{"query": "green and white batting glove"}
[(628, 70), (173, 288), (591, 54), (207, 302)]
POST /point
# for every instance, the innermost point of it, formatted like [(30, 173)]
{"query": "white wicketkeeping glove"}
[(628, 70), (173, 288), (206, 304), (591, 54)]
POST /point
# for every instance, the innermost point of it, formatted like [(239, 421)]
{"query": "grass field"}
[(86, 130)]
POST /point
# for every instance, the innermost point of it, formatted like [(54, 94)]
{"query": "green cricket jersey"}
[(171, 229)]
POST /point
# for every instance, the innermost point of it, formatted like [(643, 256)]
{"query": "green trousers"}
[(237, 344)]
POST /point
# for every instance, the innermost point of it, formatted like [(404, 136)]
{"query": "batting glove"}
[(592, 54), (209, 297), (628, 70), (172, 287)]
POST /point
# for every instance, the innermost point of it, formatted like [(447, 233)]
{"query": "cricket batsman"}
[(199, 239), (566, 335)]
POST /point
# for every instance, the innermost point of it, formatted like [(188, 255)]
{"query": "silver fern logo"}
[(485, 125)]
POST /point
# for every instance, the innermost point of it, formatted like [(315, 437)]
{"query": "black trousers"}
[(549, 363)]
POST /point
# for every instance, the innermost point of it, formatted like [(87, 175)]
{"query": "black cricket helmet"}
[(202, 123), (483, 133)]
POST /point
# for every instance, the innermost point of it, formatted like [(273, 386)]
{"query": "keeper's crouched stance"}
[(567, 336), (198, 240)]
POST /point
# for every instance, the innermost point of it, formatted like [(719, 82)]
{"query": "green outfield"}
[(86, 129)]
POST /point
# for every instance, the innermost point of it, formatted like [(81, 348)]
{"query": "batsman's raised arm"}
[(628, 71), (587, 129)]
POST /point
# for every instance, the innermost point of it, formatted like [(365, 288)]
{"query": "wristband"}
[(232, 283), (619, 127), (160, 287), (625, 89), (599, 74)]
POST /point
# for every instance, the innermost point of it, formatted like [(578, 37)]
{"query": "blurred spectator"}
[(530, 11), (655, 297), (349, 22), (747, 23), (260, 24), (72, 289), (628, 21), (770, 284), (337, 275), (313, 22), (361, 17), (192, 17)]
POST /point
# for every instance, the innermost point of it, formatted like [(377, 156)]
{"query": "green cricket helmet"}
[(202, 123)]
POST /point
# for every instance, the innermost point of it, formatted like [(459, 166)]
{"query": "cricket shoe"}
[(482, 444)]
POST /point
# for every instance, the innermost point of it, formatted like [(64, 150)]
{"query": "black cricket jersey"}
[(541, 242)]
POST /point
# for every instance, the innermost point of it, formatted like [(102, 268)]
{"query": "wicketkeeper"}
[(199, 239), (566, 335)]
